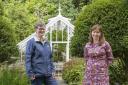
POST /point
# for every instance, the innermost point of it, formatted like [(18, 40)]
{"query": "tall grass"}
[(13, 76)]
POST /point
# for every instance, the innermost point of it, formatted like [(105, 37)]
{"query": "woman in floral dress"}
[(98, 56)]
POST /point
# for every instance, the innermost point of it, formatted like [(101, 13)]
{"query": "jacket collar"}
[(37, 40)]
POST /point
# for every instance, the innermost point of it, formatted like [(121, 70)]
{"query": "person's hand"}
[(32, 77)]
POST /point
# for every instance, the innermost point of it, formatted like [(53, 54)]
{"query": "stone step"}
[(61, 82)]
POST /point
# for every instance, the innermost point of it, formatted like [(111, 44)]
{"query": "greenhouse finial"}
[(59, 8)]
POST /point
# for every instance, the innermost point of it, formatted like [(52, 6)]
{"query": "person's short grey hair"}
[(40, 24)]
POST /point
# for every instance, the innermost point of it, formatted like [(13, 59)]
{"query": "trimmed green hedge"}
[(74, 71)]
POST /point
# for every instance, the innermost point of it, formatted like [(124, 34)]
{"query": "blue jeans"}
[(44, 80)]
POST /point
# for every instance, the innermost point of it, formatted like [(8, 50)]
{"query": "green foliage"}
[(118, 72), (24, 14), (73, 71), (1, 8), (80, 3), (7, 40), (58, 49), (20, 17), (41, 9), (7, 37), (57, 58), (13, 76), (57, 35), (59, 52), (68, 9)]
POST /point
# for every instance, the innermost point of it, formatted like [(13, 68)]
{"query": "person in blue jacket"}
[(39, 65)]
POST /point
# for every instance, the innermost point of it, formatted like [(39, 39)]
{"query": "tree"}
[(7, 37), (80, 3), (21, 19), (23, 14)]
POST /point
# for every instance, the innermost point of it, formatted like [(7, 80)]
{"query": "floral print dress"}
[(98, 58)]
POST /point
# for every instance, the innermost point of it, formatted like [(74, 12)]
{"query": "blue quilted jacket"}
[(38, 60)]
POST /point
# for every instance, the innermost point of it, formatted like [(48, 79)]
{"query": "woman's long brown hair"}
[(101, 38)]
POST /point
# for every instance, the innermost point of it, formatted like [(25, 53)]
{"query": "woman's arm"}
[(109, 53)]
